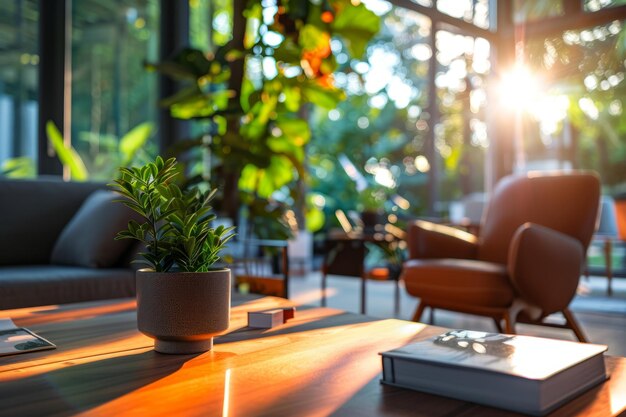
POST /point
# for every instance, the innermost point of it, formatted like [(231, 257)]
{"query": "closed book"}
[(530, 375)]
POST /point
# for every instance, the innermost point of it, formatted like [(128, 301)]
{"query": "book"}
[(525, 374), (14, 340)]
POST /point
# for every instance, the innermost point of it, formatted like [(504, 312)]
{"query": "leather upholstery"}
[(567, 203), (541, 265), (429, 240), (459, 282), (532, 241)]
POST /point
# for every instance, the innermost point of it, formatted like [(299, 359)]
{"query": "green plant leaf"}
[(357, 25), (315, 219), (68, 156), (294, 130), (312, 37), (134, 140), (20, 167), (293, 98), (181, 96), (324, 97)]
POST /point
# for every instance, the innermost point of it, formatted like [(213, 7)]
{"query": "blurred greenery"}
[(385, 126), (111, 93), (587, 68), (19, 167), (326, 81), (258, 134), (123, 152)]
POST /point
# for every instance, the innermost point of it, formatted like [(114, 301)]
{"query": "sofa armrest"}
[(431, 240), (544, 266)]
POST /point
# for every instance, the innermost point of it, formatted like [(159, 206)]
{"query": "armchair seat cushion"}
[(459, 282)]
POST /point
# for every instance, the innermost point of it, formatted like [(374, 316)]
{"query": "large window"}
[(379, 148), (19, 62), (371, 149), (576, 89), (112, 93), (461, 140)]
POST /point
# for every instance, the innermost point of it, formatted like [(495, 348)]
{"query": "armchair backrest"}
[(564, 201)]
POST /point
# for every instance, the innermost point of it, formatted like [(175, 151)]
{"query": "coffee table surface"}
[(323, 362)]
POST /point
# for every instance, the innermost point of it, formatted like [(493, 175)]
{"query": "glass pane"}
[(576, 118), (472, 11), (112, 93), (527, 10), (210, 23), (369, 151), (210, 26), (463, 67), (19, 62)]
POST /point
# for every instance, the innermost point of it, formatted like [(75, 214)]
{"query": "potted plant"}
[(182, 299), (371, 203)]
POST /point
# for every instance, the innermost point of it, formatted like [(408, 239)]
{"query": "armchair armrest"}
[(544, 266), (431, 240)]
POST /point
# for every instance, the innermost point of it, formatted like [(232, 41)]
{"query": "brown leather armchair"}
[(527, 260)]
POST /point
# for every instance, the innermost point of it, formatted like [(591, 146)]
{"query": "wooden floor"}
[(603, 318)]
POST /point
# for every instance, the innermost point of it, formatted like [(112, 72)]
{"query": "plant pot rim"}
[(152, 271)]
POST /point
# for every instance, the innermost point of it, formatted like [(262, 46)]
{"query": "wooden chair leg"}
[(419, 311), (572, 323), (498, 325), (509, 322), (323, 303), (363, 293), (396, 299), (608, 261)]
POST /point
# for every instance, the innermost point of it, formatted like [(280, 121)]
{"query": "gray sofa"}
[(57, 246)]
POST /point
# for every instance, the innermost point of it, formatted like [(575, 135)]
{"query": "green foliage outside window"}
[(258, 133)]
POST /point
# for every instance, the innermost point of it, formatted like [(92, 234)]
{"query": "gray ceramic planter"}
[(183, 311)]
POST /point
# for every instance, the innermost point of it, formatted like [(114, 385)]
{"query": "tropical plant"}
[(177, 230), (253, 94)]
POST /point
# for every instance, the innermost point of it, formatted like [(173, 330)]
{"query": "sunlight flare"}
[(519, 88)]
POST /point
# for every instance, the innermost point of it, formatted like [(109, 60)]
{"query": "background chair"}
[(527, 261)]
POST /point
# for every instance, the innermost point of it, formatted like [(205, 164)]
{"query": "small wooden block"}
[(288, 313), (265, 319)]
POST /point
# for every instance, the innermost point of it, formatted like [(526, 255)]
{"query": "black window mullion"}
[(173, 35), (51, 80)]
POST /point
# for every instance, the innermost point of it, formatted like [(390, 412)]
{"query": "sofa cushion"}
[(89, 238), (32, 215), (37, 285)]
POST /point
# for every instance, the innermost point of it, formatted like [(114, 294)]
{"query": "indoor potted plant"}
[(182, 299)]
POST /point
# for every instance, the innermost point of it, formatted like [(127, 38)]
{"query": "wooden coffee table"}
[(323, 362)]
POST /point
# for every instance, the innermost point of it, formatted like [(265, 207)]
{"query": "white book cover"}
[(523, 356)]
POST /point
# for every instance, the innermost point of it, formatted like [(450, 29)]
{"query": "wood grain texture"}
[(95, 328), (323, 362)]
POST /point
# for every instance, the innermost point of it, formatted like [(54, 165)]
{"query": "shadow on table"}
[(384, 400), (78, 388), (337, 319)]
